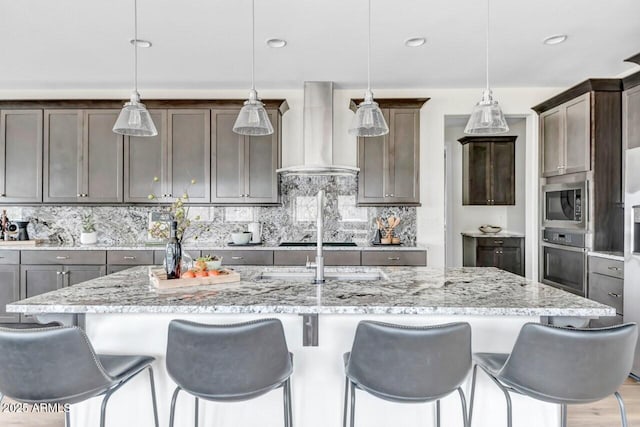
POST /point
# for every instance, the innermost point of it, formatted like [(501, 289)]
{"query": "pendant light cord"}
[(369, 50), (135, 46), (487, 44), (253, 45)]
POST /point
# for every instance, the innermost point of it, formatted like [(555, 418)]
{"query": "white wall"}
[(443, 103), (461, 218)]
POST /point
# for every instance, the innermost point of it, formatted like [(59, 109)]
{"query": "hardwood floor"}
[(600, 414)]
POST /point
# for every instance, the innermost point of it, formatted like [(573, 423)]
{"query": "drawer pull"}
[(498, 242), (237, 257), (62, 257), (614, 295), (128, 257), (393, 258), (614, 268)]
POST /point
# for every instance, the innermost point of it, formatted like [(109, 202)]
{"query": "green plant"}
[(88, 224)]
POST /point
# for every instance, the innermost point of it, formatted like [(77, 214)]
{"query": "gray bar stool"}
[(229, 363), (562, 365), (59, 365), (408, 364)]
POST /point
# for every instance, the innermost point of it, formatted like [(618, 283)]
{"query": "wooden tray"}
[(158, 278), (34, 242)]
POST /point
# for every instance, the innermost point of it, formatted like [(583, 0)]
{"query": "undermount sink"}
[(299, 274)]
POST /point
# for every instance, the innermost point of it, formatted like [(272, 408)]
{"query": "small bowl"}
[(215, 264), (490, 229), (241, 238)]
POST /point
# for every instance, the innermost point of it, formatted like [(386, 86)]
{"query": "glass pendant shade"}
[(134, 119), (368, 120), (486, 117), (253, 118)]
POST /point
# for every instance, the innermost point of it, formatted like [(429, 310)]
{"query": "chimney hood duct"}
[(317, 148)]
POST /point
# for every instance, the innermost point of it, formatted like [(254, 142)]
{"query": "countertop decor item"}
[(487, 116), (368, 120), (134, 119), (388, 227), (253, 118), (256, 232), (490, 229), (241, 238), (88, 236), (158, 278)]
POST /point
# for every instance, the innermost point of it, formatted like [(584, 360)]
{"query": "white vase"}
[(88, 238)]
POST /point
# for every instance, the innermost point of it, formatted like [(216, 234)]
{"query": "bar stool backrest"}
[(224, 362), (55, 364), (564, 365), (404, 363)]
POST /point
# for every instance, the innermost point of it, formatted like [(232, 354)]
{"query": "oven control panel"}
[(564, 237)]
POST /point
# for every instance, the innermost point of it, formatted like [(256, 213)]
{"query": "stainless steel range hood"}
[(317, 141)]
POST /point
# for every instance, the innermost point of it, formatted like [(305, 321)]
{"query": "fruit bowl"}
[(490, 229)]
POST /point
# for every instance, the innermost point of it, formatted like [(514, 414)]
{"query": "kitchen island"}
[(123, 315)]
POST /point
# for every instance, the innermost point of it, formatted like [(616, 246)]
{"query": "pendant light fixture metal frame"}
[(487, 116), (369, 120), (134, 119), (253, 119)]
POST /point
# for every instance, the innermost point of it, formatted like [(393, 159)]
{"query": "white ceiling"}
[(205, 44)]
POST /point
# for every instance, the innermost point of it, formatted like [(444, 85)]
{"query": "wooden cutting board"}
[(158, 278), (34, 242)]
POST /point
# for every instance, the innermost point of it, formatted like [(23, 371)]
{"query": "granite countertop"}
[(207, 247), (402, 290), (617, 256), (503, 234)]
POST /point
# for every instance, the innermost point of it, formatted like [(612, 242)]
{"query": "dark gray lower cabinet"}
[(606, 285), (504, 253), (9, 291)]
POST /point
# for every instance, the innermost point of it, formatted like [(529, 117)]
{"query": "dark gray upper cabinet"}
[(488, 170), (82, 157), (165, 165), (631, 117), (20, 156), (145, 164), (390, 164), (244, 167)]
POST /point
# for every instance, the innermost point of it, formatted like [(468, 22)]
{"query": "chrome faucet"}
[(319, 263)]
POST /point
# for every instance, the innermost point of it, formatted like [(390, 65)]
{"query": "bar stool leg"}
[(290, 402), (172, 413), (197, 412), (623, 412), (473, 392), (103, 408), (563, 415), (346, 401), (506, 396), (153, 397), (353, 405), (285, 401), (67, 418), (437, 413), (463, 403)]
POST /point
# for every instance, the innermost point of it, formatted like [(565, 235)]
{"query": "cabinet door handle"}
[(64, 273), (237, 257), (393, 258), (498, 242), (614, 295), (614, 268), (62, 257), (128, 257), (79, 195), (58, 273)]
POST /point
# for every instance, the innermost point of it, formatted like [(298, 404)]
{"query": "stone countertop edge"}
[(616, 256), (485, 291), (502, 234), (205, 247)]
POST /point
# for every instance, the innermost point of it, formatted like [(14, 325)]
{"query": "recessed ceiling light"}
[(415, 41), (555, 39), (276, 43), (140, 43)]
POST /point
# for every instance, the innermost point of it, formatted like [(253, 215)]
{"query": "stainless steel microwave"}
[(565, 205)]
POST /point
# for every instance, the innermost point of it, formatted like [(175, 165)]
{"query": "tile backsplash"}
[(293, 221)]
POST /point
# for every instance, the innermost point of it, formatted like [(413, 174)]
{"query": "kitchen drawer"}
[(408, 258), (9, 257), (64, 257), (608, 267), (509, 242), (330, 257), (240, 257), (607, 290), (158, 256), (605, 322), (130, 257)]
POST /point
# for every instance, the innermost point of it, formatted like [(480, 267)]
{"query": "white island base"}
[(318, 379)]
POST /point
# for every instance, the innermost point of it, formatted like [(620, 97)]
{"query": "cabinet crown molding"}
[(590, 85)]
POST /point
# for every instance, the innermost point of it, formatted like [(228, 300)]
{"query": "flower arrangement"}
[(88, 224)]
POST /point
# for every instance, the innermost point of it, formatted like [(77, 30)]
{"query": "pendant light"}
[(487, 116), (253, 118), (368, 120), (134, 119)]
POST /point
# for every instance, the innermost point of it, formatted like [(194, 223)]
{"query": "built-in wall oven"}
[(564, 260), (565, 205)]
